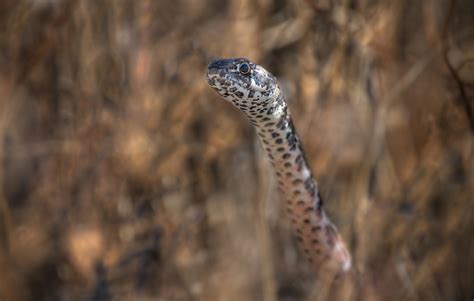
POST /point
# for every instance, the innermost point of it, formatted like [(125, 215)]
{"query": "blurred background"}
[(123, 176)]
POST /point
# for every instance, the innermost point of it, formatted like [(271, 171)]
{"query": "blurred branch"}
[(285, 33), (29, 58), (12, 286), (378, 140), (462, 91), (263, 228), (407, 79), (464, 98), (4, 212)]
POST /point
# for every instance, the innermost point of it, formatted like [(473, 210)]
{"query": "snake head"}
[(242, 82)]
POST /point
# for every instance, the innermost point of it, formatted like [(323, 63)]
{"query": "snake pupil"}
[(244, 69)]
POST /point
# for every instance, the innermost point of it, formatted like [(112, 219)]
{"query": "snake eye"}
[(244, 69)]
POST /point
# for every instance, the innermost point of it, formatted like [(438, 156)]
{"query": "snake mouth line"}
[(211, 72)]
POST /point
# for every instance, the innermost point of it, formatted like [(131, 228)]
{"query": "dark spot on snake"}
[(320, 202), (298, 159), (297, 181), (284, 125), (280, 122), (279, 141), (286, 156)]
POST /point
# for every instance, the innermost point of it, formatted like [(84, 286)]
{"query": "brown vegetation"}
[(124, 177)]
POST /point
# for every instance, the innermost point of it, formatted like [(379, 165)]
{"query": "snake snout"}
[(215, 64), (219, 64)]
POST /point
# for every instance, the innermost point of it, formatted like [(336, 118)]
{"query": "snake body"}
[(255, 92)]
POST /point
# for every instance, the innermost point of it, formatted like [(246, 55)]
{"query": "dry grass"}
[(124, 177)]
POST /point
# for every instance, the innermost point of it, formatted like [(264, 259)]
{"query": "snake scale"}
[(256, 93)]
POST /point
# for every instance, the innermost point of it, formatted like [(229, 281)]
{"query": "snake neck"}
[(317, 236), (282, 145)]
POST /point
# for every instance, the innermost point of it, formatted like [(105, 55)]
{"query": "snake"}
[(256, 93)]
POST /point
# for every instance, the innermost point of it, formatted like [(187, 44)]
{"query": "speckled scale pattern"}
[(258, 95)]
